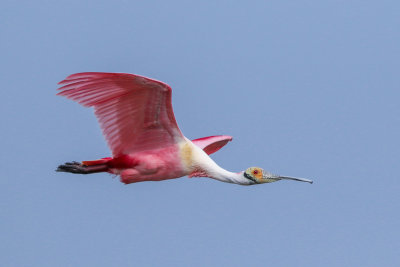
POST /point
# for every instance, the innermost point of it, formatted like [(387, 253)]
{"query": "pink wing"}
[(135, 113), (212, 144)]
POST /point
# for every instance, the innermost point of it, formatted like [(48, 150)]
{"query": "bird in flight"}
[(136, 117)]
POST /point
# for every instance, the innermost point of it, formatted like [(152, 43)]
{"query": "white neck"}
[(223, 175), (202, 163)]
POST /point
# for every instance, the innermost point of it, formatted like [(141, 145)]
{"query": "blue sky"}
[(307, 89)]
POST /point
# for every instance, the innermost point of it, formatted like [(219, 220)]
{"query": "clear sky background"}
[(307, 89)]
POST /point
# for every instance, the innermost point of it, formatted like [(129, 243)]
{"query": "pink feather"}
[(212, 144)]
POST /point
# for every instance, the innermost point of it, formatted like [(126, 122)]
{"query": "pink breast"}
[(153, 165)]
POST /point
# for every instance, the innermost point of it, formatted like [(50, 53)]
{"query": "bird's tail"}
[(85, 167)]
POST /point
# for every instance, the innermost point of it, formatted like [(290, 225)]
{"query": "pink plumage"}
[(212, 144)]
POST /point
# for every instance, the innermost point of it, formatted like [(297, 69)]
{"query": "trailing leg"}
[(79, 168)]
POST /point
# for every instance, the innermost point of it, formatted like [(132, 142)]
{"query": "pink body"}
[(154, 165), (159, 164)]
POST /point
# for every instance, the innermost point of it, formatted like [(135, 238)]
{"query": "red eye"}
[(255, 172)]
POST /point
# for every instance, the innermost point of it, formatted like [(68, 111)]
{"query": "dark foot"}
[(73, 167)]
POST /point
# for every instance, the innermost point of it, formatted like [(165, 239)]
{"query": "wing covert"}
[(212, 144)]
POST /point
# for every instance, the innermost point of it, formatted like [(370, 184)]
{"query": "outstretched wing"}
[(212, 144), (135, 113)]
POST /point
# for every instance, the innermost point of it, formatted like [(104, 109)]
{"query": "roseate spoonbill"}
[(136, 117)]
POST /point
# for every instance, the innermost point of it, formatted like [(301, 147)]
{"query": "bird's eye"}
[(255, 172)]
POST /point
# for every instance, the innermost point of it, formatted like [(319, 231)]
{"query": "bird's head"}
[(257, 175)]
